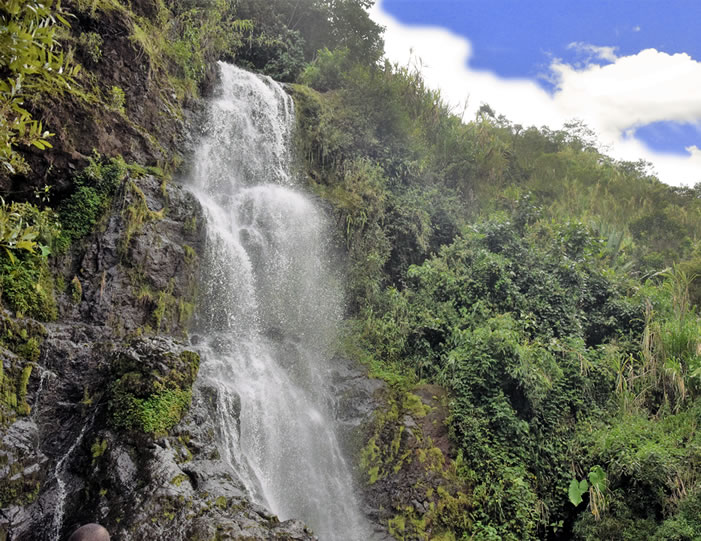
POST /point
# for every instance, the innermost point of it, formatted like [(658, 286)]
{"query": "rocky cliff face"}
[(101, 429), (100, 419)]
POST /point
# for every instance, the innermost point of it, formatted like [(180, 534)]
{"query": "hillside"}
[(524, 307)]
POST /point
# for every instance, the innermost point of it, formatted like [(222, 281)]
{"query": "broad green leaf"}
[(577, 489)]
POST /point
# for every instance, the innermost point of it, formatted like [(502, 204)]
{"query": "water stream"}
[(60, 475), (271, 307)]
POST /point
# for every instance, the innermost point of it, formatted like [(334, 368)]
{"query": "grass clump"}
[(137, 214)]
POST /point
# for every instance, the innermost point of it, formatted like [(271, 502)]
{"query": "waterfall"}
[(271, 305)]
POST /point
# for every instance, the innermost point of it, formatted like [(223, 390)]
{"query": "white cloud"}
[(603, 53), (614, 99)]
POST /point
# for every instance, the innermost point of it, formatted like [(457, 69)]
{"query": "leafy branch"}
[(32, 63)]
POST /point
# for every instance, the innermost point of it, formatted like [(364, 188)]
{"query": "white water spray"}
[(271, 307)]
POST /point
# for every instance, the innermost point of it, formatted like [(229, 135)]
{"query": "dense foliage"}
[(524, 271)]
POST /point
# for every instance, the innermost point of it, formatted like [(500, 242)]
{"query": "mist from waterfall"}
[(271, 307)]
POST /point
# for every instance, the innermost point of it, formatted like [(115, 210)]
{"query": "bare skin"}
[(90, 532)]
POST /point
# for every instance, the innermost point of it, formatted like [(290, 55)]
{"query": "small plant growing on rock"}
[(117, 99), (98, 448), (91, 43), (153, 401), (76, 290)]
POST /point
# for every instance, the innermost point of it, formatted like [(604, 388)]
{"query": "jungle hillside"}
[(530, 304)]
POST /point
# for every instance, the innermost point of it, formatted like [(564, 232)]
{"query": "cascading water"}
[(271, 307)]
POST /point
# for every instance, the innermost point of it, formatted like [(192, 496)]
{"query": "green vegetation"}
[(179, 42), (32, 63), (94, 189), (137, 214), (98, 448), (23, 338), (549, 289), (150, 401), (26, 284), (76, 290), (523, 271), (19, 490), (154, 415), (287, 35)]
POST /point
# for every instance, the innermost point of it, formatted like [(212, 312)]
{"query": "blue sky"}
[(630, 69)]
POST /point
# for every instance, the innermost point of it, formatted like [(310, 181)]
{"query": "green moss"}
[(185, 455), (117, 99), (95, 187), (446, 510), (137, 214), (185, 312), (87, 399), (29, 350), (154, 415), (60, 282), (23, 337), (27, 288), (178, 479), (397, 526), (415, 406), (190, 225), (148, 401), (169, 312), (20, 492), (76, 290), (22, 406), (166, 308), (98, 448), (384, 455), (91, 43), (190, 254), (370, 461), (192, 361)]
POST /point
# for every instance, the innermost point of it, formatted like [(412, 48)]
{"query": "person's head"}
[(90, 532)]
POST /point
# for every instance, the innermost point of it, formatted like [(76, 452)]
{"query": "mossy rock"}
[(152, 389), (409, 474), (20, 348), (18, 487)]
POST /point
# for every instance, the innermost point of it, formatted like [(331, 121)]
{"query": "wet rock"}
[(357, 398), (145, 261)]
